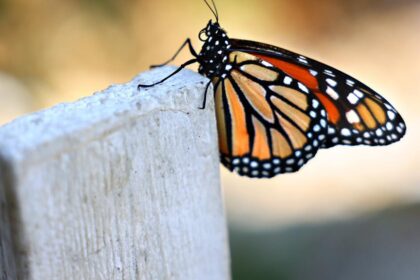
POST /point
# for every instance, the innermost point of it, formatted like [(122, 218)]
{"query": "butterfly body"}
[(275, 108), (213, 57)]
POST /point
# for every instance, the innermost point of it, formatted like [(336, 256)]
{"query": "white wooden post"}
[(119, 185)]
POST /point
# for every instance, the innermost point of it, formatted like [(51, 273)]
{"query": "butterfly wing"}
[(356, 113), (268, 122)]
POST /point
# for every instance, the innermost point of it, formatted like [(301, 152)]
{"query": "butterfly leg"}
[(191, 61), (205, 96), (191, 48)]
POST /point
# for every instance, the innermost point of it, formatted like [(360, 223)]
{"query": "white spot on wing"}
[(313, 72), (352, 98), (329, 73), (358, 93), (391, 115), (352, 117), (331, 82), (312, 114), (303, 60), (265, 63), (345, 132), (332, 93), (287, 80), (303, 87)]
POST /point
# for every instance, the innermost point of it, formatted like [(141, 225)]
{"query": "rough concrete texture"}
[(123, 184)]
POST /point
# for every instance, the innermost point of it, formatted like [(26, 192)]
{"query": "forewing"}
[(356, 113), (268, 122)]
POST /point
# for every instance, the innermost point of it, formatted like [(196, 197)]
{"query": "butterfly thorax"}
[(213, 57)]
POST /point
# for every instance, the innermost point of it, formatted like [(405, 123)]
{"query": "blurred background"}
[(351, 213)]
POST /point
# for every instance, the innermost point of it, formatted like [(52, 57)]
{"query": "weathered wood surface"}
[(119, 185)]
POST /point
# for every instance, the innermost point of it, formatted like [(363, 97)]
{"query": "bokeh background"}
[(351, 213)]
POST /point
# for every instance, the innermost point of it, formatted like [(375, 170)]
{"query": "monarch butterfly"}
[(275, 108)]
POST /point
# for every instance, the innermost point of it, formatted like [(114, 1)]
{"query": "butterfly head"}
[(211, 29), (214, 53)]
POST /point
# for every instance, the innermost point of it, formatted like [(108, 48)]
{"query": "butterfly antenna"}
[(215, 9), (212, 10)]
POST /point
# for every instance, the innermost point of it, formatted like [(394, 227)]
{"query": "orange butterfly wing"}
[(356, 114), (268, 122)]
